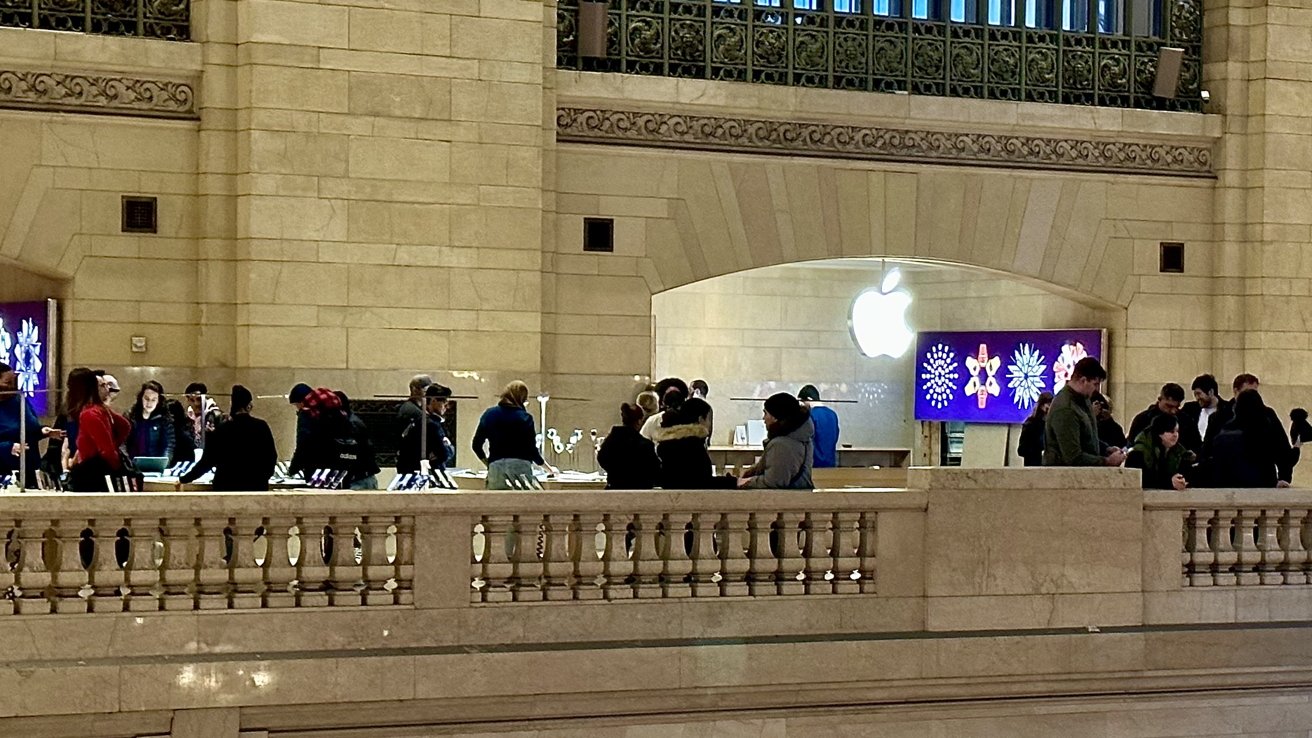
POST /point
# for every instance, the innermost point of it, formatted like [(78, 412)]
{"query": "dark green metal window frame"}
[(742, 42), (162, 19)]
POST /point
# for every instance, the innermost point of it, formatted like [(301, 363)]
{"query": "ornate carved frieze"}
[(795, 138), (91, 93)]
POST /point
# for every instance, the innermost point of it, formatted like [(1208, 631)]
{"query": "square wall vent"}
[(599, 235), (140, 214)]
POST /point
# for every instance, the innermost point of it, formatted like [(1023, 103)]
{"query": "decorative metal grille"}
[(166, 19), (744, 42)]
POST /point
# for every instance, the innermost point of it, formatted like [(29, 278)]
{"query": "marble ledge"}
[(1226, 498), (711, 97), (1013, 479)]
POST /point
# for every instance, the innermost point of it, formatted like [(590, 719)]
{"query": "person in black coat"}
[(629, 459), (1110, 432), (1168, 403), (240, 451), (681, 446), (1030, 448), (1249, 451)]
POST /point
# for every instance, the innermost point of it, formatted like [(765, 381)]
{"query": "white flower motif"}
[(27, 357), (939, 376), (6, 342), (1071, 352), (1025, 375), (981, 386)]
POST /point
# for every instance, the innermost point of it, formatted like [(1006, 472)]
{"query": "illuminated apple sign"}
[(879, 318)]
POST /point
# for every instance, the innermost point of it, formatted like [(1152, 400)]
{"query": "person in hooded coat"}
[(789, 447), (629, 459), (681, 446)]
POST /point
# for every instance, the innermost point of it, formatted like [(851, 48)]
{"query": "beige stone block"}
[(298, 347), (399, 223), (505, 352), (375, 158), (399, 96), (496, 38), (387, 30), (376, 285), (293, 23), (294, 218), (322, 90), (297, 153), (378, 348), (496, 290), (500, 102), (293, 283)]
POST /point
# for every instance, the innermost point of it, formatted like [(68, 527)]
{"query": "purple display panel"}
[(25, 345), (995, 376)]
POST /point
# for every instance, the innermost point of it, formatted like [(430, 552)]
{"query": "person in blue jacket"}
[(16, 411), (826, 427)]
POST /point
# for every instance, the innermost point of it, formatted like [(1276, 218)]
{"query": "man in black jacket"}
[(1168, 403), (1197, 415), (1276, 438)]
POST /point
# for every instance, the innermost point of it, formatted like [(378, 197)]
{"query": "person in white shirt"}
[(1206, 402), (673, 392)]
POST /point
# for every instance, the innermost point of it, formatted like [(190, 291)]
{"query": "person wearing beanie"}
[(327, 440), (296, 398), (203, 413), (241, 451), (629, 459), (826, 427), (789, 447)]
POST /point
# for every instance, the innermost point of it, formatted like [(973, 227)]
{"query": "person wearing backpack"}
[(366, 468), (327, 441)]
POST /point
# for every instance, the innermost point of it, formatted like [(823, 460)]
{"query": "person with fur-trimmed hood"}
[(681, 446), (789, 447)]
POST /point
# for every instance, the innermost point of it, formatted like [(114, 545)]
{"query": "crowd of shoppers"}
[(1208, 442)]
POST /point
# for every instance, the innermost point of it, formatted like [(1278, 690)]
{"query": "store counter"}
[(565, 481), (741, 457)]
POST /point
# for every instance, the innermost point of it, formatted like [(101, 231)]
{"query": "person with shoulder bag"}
[(102, 434)]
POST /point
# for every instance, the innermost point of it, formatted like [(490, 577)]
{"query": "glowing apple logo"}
[(879, 319)]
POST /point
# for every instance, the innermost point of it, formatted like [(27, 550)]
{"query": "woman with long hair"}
[(1166, 464), (152, 426), (506, 440), (1031, 443), (100, 433)]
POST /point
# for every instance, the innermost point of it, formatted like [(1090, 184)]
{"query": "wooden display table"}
[(851, 477), (170, 484), (573, 483), (856, 456)]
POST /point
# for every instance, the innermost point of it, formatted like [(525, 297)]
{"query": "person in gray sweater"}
[(789, 447)]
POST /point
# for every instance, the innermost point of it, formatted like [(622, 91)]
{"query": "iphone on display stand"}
[(338, 478)]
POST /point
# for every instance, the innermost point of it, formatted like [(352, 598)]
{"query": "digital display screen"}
[(995, 376), (25, 345)]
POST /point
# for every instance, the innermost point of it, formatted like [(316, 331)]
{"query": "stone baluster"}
[(1245, 544), (762, 560), (142, 583), (869, 544), (845, 550), (181, 563), (704, 576), (248, 562), (559, 556), (213, 573), (345, 573), (380, 584), (108, 580), (791, 554), (403, 564), (1201, 556), (593, 540), (70, 580), (1294, 568), (528, 577), (9, 547), (280, 562), (734, 563), (33, 577), (618, 562), (819, 576), (648, 542), (1219, 536), (1271, 553), (499, 562), (678, 561), (317, 545)]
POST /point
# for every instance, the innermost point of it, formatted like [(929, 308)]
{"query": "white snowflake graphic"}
[(939, 376), (6, 342), (27, 357), (1025, 375), (1071, 352)]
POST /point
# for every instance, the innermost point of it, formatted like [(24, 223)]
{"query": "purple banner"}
[(995, 376), (25, 346)]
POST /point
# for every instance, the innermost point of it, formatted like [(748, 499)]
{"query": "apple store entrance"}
[(848, 327)]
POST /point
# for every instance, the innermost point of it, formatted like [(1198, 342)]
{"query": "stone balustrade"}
[(970, 584)]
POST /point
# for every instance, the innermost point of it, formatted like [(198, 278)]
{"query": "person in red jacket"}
[(101, 432)]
